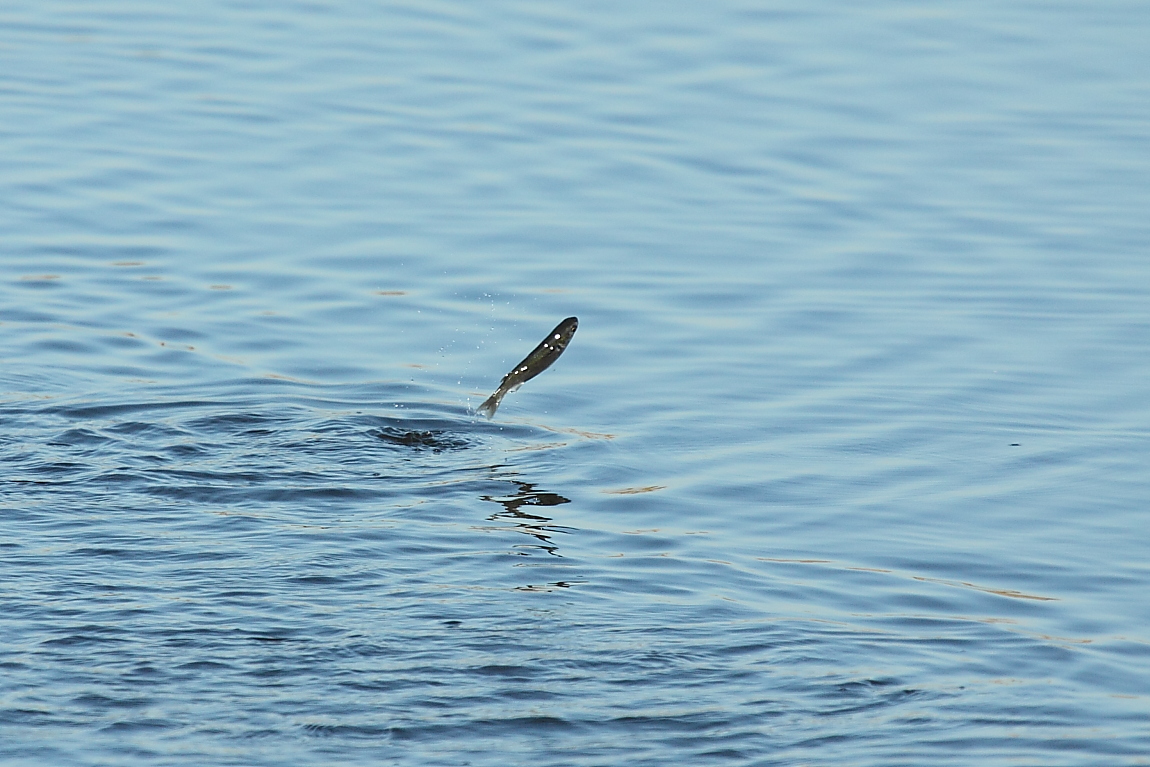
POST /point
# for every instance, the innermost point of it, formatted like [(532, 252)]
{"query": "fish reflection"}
[(534, 525)]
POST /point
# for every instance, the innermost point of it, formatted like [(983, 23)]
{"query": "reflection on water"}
[(534, 525)]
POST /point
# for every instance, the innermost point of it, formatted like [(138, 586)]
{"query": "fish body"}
[(533, 364)]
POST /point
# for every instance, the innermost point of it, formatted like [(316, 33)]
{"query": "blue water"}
[(846, 464)]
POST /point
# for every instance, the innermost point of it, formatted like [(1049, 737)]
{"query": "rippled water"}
[(845, 465)]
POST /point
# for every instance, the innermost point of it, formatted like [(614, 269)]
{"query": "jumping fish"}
[(533, 364)]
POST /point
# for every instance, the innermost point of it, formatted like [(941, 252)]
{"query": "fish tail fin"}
[(490, 404)]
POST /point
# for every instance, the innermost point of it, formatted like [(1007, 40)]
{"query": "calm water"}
[(846, 465)]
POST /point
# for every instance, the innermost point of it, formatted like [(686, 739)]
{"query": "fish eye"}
[(556, 336)]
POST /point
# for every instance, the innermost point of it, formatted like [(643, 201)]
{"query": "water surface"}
[(845, 464)]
